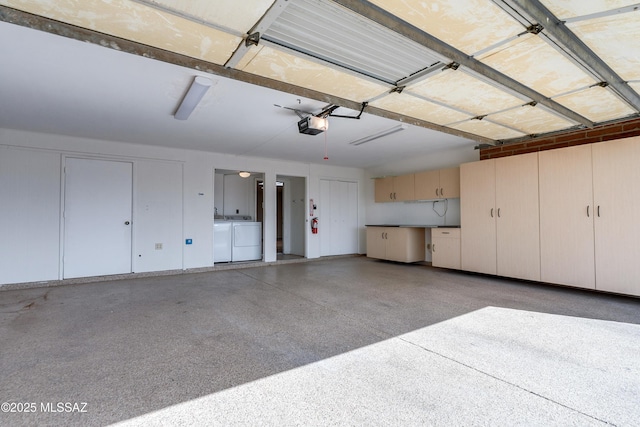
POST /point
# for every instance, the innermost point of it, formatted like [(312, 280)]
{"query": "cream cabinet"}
[(499, 214), (445, 247), (567, 217), (395, 188), (403, 244), (616, 193), (437, 184)]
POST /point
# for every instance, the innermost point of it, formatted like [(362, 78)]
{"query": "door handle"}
[(127, 223)]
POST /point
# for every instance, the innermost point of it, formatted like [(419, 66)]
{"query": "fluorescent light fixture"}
[(198, 88), (244, 174), (378, 135)]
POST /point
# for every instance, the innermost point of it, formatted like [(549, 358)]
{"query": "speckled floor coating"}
[(348, 341)]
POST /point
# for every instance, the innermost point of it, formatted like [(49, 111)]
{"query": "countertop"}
[(412, 225)]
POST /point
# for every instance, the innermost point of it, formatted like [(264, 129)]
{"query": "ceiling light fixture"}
[(378, 135), (194, 95), (244, 174)]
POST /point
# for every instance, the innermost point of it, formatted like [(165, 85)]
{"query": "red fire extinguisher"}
[(314, 225)]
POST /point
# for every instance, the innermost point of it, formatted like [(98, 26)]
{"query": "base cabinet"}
[(445, 248), (402, 244)]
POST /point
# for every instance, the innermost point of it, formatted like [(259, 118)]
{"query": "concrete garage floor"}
[(348, 341)]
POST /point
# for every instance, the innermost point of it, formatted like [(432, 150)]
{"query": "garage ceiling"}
[(488, 71)]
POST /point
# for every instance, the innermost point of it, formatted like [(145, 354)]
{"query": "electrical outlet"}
[(158, 246)]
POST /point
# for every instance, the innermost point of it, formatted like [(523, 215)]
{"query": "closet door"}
[(478, 216), (338, 217), (616, 175), (566, 217), (97, 217), (517, 217)]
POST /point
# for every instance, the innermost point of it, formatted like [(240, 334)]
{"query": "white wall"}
[(30, 194)]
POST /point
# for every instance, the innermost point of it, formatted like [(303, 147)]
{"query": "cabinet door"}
[(517, 217), (427, 185), (450, 183), (403, 187), (445, 248), (405, 244), (616, 189), (477, 216), (384, 189), (376, 242), (566, 217)]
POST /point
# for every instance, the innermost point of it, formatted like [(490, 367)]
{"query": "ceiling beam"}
[(37, 22), (557, 32), (386, 19)]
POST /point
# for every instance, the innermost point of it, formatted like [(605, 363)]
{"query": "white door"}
[(338, 217), (97, 218)]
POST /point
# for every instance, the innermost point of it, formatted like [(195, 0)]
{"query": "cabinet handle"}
[(588, 211), (382, 235), (386, 236), (442, 192), (391, 196), (437, 192), (498, 212), (491, 212), (433, 245), (598, 211)]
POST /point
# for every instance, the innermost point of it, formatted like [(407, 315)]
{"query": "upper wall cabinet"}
[(428, 185), (395, 188), (438, 184)]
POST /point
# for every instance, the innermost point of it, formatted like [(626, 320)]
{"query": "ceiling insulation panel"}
[(531, 120), (533, 62), (480, 25), (564, 9), (615, 39), (465, 92), (598, 104), (143, 24), (411, 106), (284, 67), (330, 32), (487, 129), (240, 16)]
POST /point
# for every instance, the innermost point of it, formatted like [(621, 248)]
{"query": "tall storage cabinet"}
[(566, 217), (477, 216), (500, 217), (616, 190)]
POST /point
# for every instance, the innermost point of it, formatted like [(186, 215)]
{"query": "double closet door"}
[(338, 217)]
